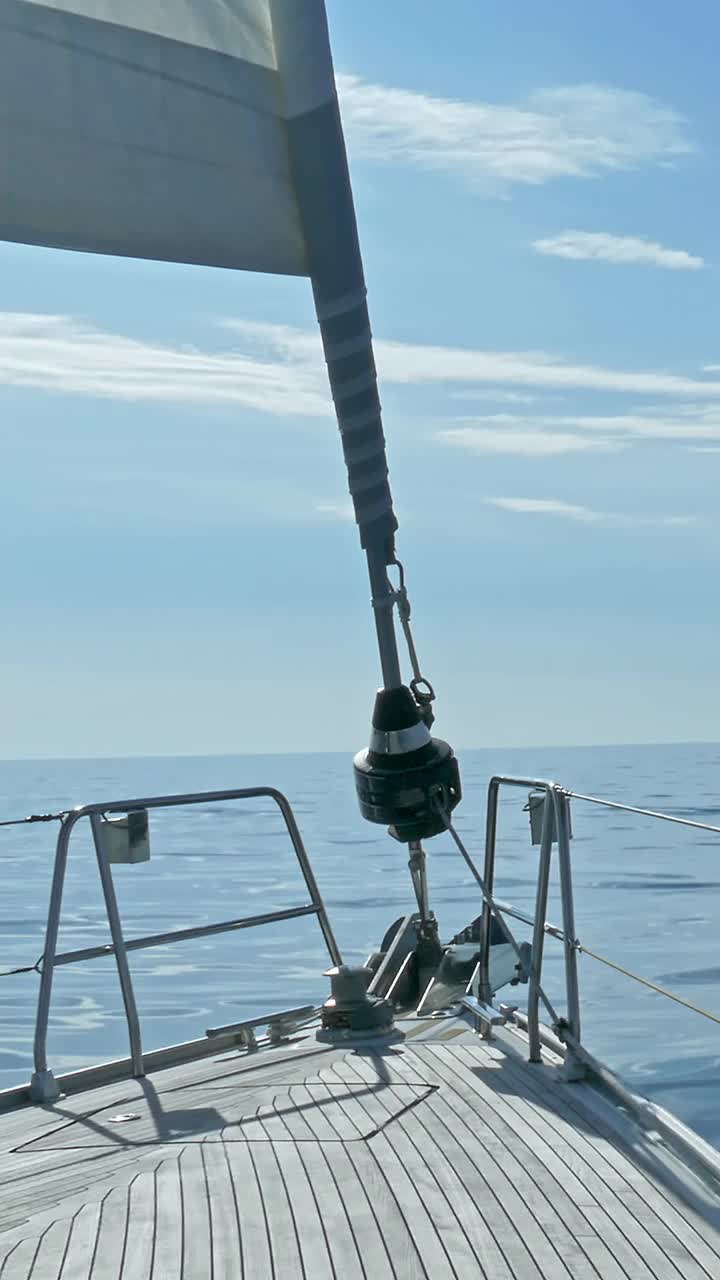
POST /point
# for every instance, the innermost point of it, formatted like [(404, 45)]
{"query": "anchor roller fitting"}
[(405, 777)]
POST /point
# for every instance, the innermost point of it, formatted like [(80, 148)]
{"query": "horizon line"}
[(242, 755)]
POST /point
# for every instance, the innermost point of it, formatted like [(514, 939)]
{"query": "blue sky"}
[(537, 193)]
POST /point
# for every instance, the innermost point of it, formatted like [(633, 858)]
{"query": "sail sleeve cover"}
[(198, 131), (319, 170)]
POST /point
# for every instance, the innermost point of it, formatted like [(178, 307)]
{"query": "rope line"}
[(645, 982), (27, 968), (33, 817), (645, 813), (496, 911)]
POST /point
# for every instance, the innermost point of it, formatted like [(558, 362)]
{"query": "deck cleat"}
[(406, 779)]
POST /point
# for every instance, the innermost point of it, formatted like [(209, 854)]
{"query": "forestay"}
[(198, 131)]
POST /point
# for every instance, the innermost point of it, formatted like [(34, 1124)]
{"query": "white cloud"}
[(523, 443), (336, 510), (280, 370), (575, 131), (405, 363), (585, 515), (61, 354), (537, 435), (602, 246), (501, 397), (682, 423)]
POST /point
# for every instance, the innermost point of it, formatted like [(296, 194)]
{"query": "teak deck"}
[(435, 1156)]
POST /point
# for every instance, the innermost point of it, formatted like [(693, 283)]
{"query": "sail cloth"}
[(197, 131)]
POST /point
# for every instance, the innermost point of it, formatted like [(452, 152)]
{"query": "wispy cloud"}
[(62, 354), (335, 510), (499, 397), (602, 246), (524, 443), (279, 370), (586, 515), (538, 435), (406, 363), (573, 131)]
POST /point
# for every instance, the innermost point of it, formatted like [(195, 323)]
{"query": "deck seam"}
[(373, 1155), (443, 1100), (290, 1207), (626, 1154), (489, 1188), (441, 1189), (455, 1104), (128, 1201), (556, 1152), (348, 1219), (380, 1129), (237, 1207), (371, 1207), (535, 1096), (266, 1220)]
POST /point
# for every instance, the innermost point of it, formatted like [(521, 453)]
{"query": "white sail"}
[(147, 128), (199, 131)]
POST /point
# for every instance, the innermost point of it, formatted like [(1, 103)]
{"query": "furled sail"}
[(199, 131)]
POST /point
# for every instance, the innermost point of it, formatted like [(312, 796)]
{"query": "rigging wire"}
[(645, 813), (28, 968), (34, 817), (497, 912), (645, 982), (559, 934), (20, 822)]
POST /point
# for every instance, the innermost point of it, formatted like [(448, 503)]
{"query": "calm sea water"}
[(647, 895)]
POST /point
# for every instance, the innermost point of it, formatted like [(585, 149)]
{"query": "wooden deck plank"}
[(51, 1251), (137, 1261), (458, 1223), (355, 1193), (509, 1175), (520, 1236), (655, 1214), (256, 1253), (330, 1119), (58, 1196), (352, 1169), (404, 1245), (83, 1233), (18, 1263), (295, 1117), (419, 1158), (346, 1261), (545, 1158), (586, 1115), (411, 1185), (456, 1148), (313, 1228), (645, 1230), (225, 1244), (278, 1213), (546, 1142), (169, 1222), (114, 1227), (194, 1213), (29, 1120)]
